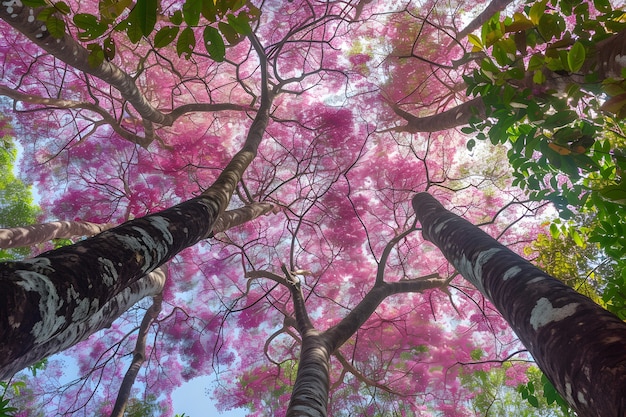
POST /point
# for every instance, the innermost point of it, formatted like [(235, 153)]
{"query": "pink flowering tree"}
[(336, 296)]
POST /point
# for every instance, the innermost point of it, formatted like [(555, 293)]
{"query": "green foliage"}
[(221, 19), (541, 394), (143, 408), (492, 395), (15, 388), (566, 140), (17, 207)]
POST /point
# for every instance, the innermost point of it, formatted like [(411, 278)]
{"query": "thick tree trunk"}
[(59, 298), (580, 346)]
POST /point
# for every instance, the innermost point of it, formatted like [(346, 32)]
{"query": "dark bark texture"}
[(59, 298), (580, 346)]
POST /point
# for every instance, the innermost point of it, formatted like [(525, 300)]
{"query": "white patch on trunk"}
[(581, 398), (544, 313), (441, 225), (109, 272), (162, 224), (36, 280), (474, 272), (511, 272)]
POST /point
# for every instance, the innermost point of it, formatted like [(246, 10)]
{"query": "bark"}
[(139, 357), (310, 391), (16, 237), (580, 346), (68, 50), (493, 7), (449, 119), (59, 298)]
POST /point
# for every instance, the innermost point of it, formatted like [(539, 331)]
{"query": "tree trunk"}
[(24, 236), (580, 346)]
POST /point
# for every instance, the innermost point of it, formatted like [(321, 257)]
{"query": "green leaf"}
[(34, 3), (177, 18), (240, 23), (55, 26), (62, 7), (112, 9), (144, 14), (576, 57), (85, 21), (214, 43), (165, 36), (554, 231), (96, 55), (560, 119), (602, 5), (209, 11), (537, 11), (550, 26), (577, 239), (533, 401), (475, 40), (191, 11), (186, 42), (470, 144)]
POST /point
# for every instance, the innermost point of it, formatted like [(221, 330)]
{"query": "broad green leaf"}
[(560, 119), (240, 23), (177, 18), (191, 11), (112, 9), (614, 193), (475, 40), (62, 7), (602, 5), (550, 26), (229, 33), (576, 57), (576, 238), (554, 231), (470, 144), (144, 14), (55, 26), (537, 11), (209, 11), (96, 55), (214, 43), (165, 36), (186, 42), (34, 3), (133, 31), (520, 23), (85, 21)]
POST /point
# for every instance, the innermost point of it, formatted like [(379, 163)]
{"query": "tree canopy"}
[(331, 115)]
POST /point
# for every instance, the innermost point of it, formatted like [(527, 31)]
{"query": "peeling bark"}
[(580, 346)]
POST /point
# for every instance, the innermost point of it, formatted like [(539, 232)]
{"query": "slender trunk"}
[(580, 346), (139, 357), (16, 237)]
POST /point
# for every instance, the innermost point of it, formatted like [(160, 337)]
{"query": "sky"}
[(193, 400)]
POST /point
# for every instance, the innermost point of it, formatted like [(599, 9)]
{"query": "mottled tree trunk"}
[(580, 346)]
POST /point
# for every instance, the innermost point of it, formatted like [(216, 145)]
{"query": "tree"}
[(153, 126)]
